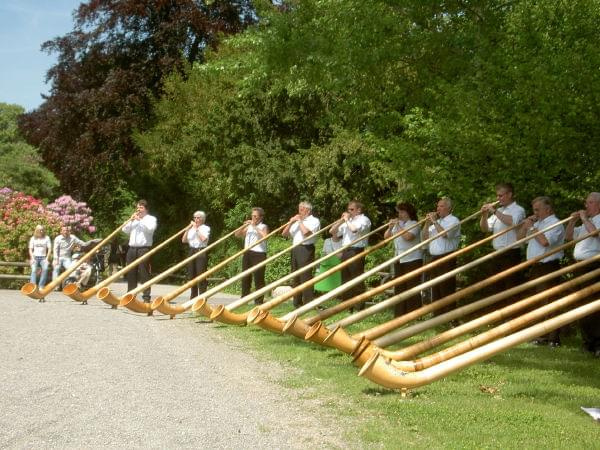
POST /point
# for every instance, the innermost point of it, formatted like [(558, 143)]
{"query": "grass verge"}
[(527, 397)]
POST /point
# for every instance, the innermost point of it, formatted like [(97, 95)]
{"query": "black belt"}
[(144, 246)]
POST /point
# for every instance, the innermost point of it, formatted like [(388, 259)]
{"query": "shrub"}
[(73, 213)]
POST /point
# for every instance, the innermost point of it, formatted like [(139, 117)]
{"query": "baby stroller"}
[(90, 272)]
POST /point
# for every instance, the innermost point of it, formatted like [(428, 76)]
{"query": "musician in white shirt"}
[(252, 231), (140, 228), (585, 249), (437, 223), (196, 236), (495, 219), (352, 225), (300, 227), (542, 218), (407, 220)]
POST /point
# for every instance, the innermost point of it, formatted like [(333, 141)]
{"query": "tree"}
[(110, 69), (21, 166)]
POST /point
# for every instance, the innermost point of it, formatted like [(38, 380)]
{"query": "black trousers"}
[(589, 325), (502, 262), (301, 256), (352, 271), (197, 267), (414, 301), (443, 288), (539, 270), (141, 274), (250, 259)]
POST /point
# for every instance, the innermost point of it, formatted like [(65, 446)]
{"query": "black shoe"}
[(539, 342), (146, 299), (554, 344)]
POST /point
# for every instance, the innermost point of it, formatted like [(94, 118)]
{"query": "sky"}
[(24, 26)]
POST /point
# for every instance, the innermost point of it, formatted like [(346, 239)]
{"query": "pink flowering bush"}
[(19, 214), (73, 213)]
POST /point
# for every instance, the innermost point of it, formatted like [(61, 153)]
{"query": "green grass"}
[(526, 397)]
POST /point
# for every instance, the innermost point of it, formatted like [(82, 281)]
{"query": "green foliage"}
[(20, 164)]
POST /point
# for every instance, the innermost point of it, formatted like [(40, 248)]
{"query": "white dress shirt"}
[(194, 240), (310, 222), (588, 247), (496, 225), (40, 246), (63, 246), (330, 246), (401, 245), (252, 236), (362, 226), (555, 237), (448, 242), (141, 231)]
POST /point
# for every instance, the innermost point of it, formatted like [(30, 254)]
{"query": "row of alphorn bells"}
[(515, 323)]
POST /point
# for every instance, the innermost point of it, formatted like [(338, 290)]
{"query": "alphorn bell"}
[(199, 304), (378, 370), (129, 297), (72, 290), (337, 333), (162, 303), (224, 313), (31, 290)]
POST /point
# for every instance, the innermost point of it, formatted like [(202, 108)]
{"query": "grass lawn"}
[(526, 397)]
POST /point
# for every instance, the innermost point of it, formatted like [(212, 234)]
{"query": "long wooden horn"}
[(333, 293), (162, 303), (502, 330), (291, 325), (202, 298), (340, 339), (325, 314), (108, 297), (378, 370), (72, 290), (395, 299), (223, 313), (31, 290), (261, 320)]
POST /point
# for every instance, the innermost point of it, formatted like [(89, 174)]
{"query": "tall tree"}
[(110, 69)]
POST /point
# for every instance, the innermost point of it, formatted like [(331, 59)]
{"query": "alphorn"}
[(72, 290), (504, 329), (260, 315), (223, 313), (162, 302), (31, 290), (378, 370), (108, 297), (322, 315), (267, 321), (200, 300), (340, 339), (335, 336), (393, 300), (361, 353)]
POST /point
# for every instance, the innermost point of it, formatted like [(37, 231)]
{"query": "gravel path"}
[(86, 376)]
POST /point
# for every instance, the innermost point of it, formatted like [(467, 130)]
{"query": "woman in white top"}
[(40, 247), (407, 218), (252, 231), (196, 237)]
